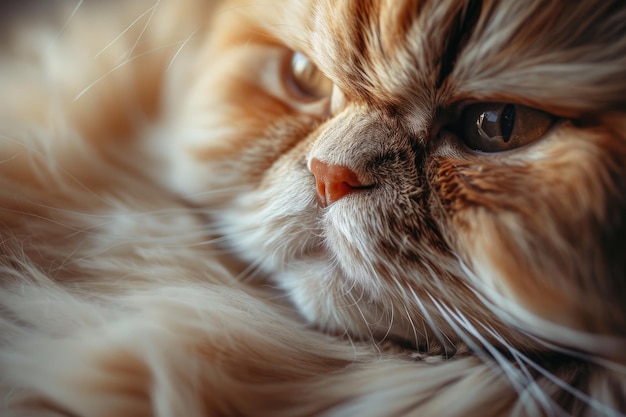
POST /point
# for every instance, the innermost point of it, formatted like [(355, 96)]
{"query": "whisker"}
[(251, 271), (470, 342), (390, 327), (216, 191), (574, 391), (408, 316), (67, 22), (9, 159), (605, 363), (367, 325), (600, 344), (143, 30), (120, 65), (124, 31), (343, 284), (533, 389), (178, 51), (484, 350), (162, 212), (406, 310), (428, 318)]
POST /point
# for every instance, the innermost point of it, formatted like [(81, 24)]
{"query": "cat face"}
[(428, 171)]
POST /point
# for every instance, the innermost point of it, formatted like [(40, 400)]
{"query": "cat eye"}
[(497, 127), (306, 79)]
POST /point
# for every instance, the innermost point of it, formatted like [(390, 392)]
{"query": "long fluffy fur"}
[(162, 252)]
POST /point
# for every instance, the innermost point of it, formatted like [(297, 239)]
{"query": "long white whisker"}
[(574, 391), (517, 380), (120, 65), (178, 51), (435, 329), (124, 31), (250, 272), (367, 325), (533, 388), (143, 30), (522, 375), (469, 341), (389, 327), (552, 346), (559, 382), (408, 316), (605, 363), (599, 344), (69, 19)]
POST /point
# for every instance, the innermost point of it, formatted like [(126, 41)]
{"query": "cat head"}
[(428, 171)]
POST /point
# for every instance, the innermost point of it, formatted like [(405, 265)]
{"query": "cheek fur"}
[(526, 226), (237, 121)]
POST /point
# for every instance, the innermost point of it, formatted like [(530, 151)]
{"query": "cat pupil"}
[(507, 122)]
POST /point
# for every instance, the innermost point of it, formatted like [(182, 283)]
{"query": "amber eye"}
[(497, 127), (306, 80)]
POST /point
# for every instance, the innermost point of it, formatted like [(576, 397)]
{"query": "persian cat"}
[(313, 207)]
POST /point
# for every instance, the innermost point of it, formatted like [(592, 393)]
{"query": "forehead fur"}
[(497, 50)]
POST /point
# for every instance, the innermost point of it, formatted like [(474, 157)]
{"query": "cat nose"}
[(334, 182)]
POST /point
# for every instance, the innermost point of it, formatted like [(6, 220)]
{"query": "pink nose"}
[(333, 182)]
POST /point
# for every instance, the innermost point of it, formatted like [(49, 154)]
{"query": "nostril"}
[(334, 182)]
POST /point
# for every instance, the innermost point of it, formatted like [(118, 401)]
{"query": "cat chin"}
[(326, 301)]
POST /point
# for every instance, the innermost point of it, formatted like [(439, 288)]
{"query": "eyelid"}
[(457, 109), (459, 106)]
